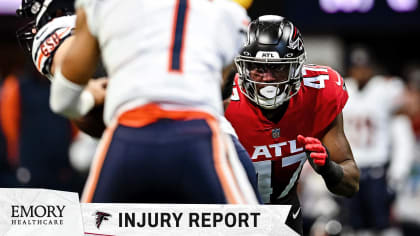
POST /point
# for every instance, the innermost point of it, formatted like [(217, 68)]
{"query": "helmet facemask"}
[(25, 36), (283, 79)]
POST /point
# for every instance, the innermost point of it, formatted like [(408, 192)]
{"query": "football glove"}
[(317, 152), (319, 159)]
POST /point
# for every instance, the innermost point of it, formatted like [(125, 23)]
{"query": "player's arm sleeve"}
[(395, 90), (403, 143), (233, 33), (235, 23), (402, 136)]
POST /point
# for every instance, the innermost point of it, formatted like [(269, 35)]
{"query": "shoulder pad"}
[(47, 40), (324, 94)]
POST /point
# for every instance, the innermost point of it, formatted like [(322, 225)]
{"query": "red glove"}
[(319, 159), (316, 150)]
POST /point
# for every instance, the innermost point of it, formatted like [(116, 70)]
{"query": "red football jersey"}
[(273, 148)]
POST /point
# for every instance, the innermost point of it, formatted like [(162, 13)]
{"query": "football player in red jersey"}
[(285, 112)]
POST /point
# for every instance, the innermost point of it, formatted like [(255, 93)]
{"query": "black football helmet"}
[(38, 13), (274, 45)]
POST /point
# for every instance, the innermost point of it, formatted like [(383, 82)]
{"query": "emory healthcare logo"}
[(101, 216), (37, 215)]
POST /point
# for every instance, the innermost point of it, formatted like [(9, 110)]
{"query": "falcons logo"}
[(101, 216), (295, 40)]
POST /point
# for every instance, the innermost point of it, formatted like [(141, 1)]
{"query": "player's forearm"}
[(349, 184), (335, 164)]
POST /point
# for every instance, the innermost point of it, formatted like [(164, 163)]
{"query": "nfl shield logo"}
[(275, 133)]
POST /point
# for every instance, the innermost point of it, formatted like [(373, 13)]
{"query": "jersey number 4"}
[(318, 81), (178, 32)]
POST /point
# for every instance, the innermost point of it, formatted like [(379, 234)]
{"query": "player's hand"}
[(98, 89), (318, 154), (320, 161)]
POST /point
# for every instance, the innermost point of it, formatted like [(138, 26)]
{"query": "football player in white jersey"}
[(47, 37), (382, 141), (164, 89)]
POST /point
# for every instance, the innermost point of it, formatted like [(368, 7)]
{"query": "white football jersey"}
[(167, 52), (48, 39), (367, 119)]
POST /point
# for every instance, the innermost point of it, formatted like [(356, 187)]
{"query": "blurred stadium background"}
[(35, 144)]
